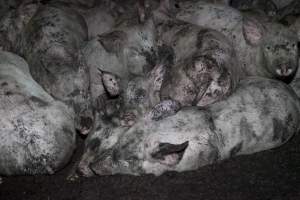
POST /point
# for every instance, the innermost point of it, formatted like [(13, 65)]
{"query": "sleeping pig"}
[(264, 49), (37, 132), (261, 114), (50, 43)]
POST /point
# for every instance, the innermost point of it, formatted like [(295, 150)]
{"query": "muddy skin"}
[(13, 23), (37, 132), (264, 49), (204, 67), (223, 130), (50, 43)]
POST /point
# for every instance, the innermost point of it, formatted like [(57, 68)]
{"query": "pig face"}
[(280, 52), (278, 45), (157, 146)]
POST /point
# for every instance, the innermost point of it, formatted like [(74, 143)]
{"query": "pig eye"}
[(268, 47)]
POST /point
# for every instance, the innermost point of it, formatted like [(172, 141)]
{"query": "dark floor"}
[(273, 175)]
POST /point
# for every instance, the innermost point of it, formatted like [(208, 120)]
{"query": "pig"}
[(37, 131), (264, 49), (261, 114), (205, 67), (50, 43), (13, 23), (120, 55)]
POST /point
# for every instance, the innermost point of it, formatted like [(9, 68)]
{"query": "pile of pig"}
[(152, 85)]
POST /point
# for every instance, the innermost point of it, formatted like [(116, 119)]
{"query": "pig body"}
[(37, 132), (260, 115), (264, 49), (50, 43)]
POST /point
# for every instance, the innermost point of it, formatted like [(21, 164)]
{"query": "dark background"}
[(272, 174)]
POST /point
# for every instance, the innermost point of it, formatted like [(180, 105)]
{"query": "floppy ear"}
[(253, 31), (170, 154)]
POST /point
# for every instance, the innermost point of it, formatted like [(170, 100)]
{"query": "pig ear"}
[(170, 154), (253, 31)]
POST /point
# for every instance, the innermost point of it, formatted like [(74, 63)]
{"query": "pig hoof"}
[(1, 180)]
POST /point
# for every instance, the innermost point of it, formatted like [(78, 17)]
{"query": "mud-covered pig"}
[(264, 49), (204, 67), (13, 22), (37, 134), (260, 115), (50, 43), (122, 54)]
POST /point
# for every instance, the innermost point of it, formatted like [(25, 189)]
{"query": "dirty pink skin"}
[(13, 23), (205, 67)]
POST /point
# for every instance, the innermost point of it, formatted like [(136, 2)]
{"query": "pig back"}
[(261, 114)]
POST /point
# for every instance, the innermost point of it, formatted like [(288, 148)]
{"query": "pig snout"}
[(284, 70)]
